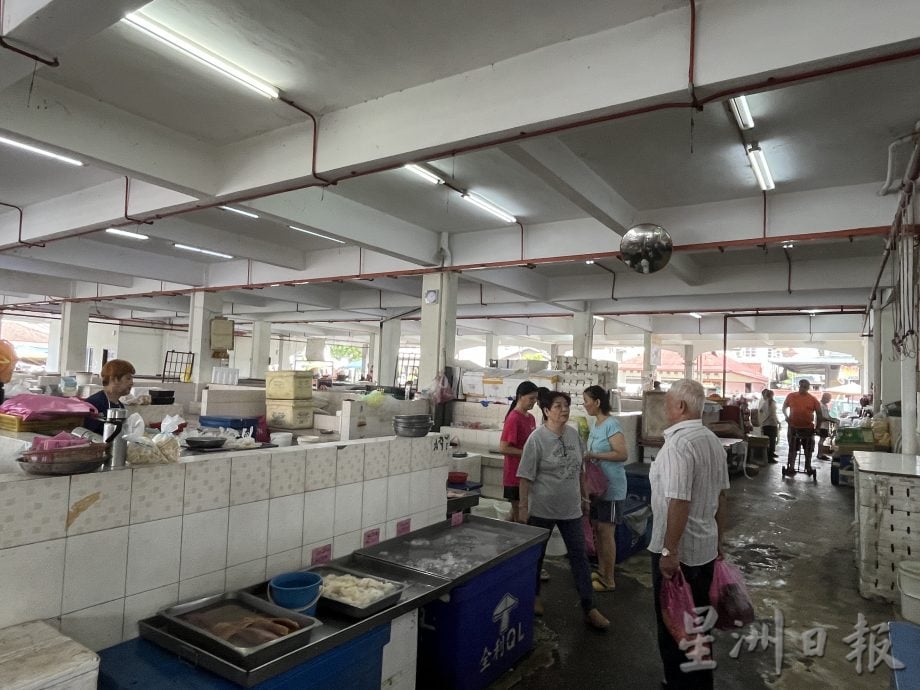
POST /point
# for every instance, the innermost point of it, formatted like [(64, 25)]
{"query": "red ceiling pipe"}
[(22, 242), (53, 62)]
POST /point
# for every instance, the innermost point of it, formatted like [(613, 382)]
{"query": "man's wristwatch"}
[(665, 552)]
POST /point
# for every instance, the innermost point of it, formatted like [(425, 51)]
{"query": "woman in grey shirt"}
[(553, 493)]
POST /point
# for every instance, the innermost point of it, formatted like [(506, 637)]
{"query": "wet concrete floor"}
[(795, 542)]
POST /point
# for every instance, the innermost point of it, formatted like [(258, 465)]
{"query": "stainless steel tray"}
[(246, 657), (346, 609)]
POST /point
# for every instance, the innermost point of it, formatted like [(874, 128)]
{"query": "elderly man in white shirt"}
[(689, 478)]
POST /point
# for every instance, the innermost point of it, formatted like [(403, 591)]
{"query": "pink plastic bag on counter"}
[(31, 406), (61, 440)]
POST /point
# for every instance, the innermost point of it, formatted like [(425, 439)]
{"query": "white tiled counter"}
[(98, 552)]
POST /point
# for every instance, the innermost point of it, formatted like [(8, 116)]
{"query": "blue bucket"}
[(296, 591)]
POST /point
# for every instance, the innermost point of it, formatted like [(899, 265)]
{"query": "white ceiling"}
[(826, 139)]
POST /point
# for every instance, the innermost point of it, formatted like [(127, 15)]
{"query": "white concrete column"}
[(651, 358), (373, 346), (492, 342), (439, 325), (205, 306), (876, 359), (582, 334), (688, 361), (261, 344), (74, 332), (909, 405), (388, 352)]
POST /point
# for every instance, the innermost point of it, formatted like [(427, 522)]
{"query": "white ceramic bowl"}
[(282, 438)]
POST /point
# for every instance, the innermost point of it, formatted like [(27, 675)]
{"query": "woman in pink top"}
[(519, 424)]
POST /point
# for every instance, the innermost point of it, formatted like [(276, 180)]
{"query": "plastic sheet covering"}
[(31, 406)]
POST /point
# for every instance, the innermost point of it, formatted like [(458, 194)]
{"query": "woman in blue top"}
[(607, 448)]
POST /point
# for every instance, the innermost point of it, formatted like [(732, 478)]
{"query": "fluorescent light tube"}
[(202, 251), (39, 152), (127, 233), (760, 167), (589, 262), (695, 315), (742, 113), (597, 318), (487, 205), (315, 234), (138, 21), (424, 173), (248, 214)]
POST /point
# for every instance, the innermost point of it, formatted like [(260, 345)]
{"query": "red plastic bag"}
[(729, 596), (677, 607), (590, 547), (595, 479)]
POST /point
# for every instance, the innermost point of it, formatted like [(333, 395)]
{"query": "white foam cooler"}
[(35, 656)]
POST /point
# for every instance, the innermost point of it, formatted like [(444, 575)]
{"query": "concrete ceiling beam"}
[(12, 262)]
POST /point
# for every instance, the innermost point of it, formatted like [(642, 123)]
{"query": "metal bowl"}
[(61, 468), (203, 442)]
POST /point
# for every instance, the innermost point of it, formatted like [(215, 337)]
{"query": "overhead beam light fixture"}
[(742, 113), (199, 250), (138, 21), (695, 315), (248, 214), (315, 234), (760, 167), (40, 152), (127, 233), (424, 173), (488, 206)]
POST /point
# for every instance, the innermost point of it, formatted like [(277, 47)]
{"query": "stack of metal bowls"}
[(412, 424)]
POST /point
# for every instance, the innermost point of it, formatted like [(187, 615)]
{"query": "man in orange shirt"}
[(801, 409)]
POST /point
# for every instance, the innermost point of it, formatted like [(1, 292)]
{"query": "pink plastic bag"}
[(729, 596), (595, 479), (677, 607), (31, 406), (61, 440), (590, 547)]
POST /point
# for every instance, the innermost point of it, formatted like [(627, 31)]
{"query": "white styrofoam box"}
[(344, 544), (23, 500), (318, 515), (288, 474), (36, 656), (207, 485), (32, 581), (202, 586), (398, 487), (250, 478), (374, 502), (285, 523), (239, 402), (146, 604), (284, 562), (288, 385), (204, 543), (99, 500), (400, 653), (245, 575), (247, 535), (348, 508), (96, 627), (153, 554), (349, 464), (94, 568), (419, 488), (289, 414), (438, 486)]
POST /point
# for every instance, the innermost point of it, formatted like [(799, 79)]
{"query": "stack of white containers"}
[(289, 399)]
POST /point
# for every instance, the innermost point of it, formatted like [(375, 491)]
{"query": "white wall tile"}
[(374, 502), (288, 473), (157, 492), (318, 515), (438, 486), (344, 544), (247, 537), (207, 485), (94, 568), (421, 454), (96, 627), (419, 489), (437, 515), (32, 581), (321, 465), (202, 586), (146, 604), (284, 562), (99, 500), (285, 523), (420, 520), (250, 477), (309, 548), (154, 550), (376, 459), (33, 510), (348, 508), (400, 455), (204, 543), (398, 496), (349, 466), (245, 575)]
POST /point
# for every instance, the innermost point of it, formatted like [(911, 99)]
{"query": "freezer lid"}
[(35, 655)]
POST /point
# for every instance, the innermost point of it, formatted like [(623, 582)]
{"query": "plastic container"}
[(296, 591), (289, 414), (637, 481), (282, 439), (909, 586), (556, 545), (288, 385), (238, 423), (485, 628), (634, 533)]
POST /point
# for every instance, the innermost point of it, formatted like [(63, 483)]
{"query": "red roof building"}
[(741, 377)]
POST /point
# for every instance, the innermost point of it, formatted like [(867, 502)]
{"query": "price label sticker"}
[(456, 519), (321, 555), (371, 537), (403, 527)]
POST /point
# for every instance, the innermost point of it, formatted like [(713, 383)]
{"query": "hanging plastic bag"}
[(595, 479), (590, 546), (440, 391), (677, 607), (729, 596)]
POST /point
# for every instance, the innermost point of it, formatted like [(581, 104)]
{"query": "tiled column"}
[(74, 331), (582, 334), (388, 352), (261, 342), (205, 306), (439, 325)]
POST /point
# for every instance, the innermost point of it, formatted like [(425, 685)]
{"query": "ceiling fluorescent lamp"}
[(127, 233), (424, 173), (589, 262), (39, 152), (489, 206), (760, 167), (138, 21), (742, 113), (597, 318), (202, 251), (695, 315), (248, 214), (315, 234)]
